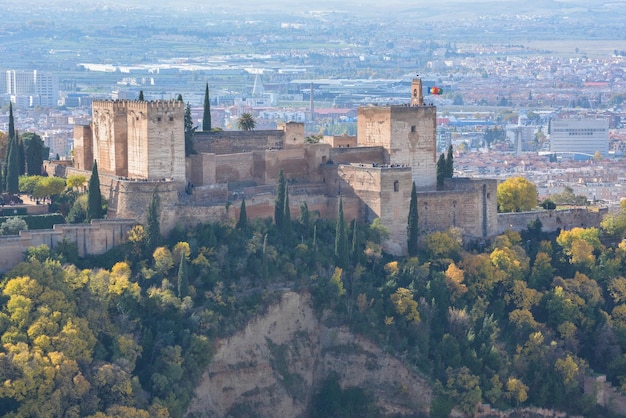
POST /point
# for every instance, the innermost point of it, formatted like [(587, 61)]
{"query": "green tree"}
[(190, 131), (13, 225), (206, 114), (441, 171), (76, 181), (279, 203), (341, 239), (182, 277), (50, 186), (516, 194), (246, 122), (243, 217), (287, 227), (21, 155), (304, 218), (412, 227), (179, 98), (11, 177), (141, 95), (94, 196), (153, 227), (449, 172)]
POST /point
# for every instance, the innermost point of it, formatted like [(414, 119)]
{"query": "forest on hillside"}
[(517, 321)]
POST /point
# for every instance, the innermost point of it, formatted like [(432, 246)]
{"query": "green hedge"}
[(10, 211), (40, 221)]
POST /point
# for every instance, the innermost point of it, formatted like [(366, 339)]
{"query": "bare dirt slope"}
[(274, 366)]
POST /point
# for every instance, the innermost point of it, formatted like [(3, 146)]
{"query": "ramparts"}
[(91, 239), (552, 220)]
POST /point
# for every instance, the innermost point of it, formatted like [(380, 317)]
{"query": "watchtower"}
[(408, 133)]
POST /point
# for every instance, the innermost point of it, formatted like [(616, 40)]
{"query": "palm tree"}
[(246, 122)]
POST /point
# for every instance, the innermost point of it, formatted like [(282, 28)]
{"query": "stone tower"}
[(142, 140), (407, 133)]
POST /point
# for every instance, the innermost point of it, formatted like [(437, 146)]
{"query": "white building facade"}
[(31, 88), (582, 136)]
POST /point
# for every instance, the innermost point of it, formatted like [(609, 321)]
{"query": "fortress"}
[(139, 148)]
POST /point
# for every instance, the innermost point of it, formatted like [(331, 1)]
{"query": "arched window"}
[(396, 186), (414, 92)]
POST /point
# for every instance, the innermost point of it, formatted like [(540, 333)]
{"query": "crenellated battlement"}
[(138, 105)]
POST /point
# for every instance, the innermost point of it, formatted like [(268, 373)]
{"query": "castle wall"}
[(373, 154), (294, 133), (385, 192), (340, 141), (201, 169), (166, 140), (95, 238), (552, 220), (109, 130), (261, 205), (467, 204), (232, 142), (234, 168), (300, 163), (138, 140), (374, 126), (83, 147)]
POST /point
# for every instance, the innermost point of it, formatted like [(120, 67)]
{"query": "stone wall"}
[(201, 169), (467, 204), (232, 142), (340, 141), (552, 220), (234, 167), (95, 238), (374, 154)]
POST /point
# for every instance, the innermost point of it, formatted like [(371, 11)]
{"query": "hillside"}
[(277, 363), (313, 319)]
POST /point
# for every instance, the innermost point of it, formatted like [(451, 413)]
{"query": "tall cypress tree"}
[(21, 155), (153, 227), (190, 130), (11, 177), (412, 229), (441, 171), (287, 227), (180, 97), (449, 163), (183, 281), (13, 170), (141, 95), (355, 242), (341, 239), (206, 115), (11, 122), (243, 216), (305, 219), (279, 204), (94, 197)]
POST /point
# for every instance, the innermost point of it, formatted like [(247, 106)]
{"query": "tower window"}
[(159, 119), (413, 128), (396, 186), (171, 119)]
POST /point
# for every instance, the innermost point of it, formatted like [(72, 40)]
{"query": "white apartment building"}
[(31, 88), (583, 136)]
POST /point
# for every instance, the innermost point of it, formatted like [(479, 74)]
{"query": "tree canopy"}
[(516, 194), (246, 122)]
